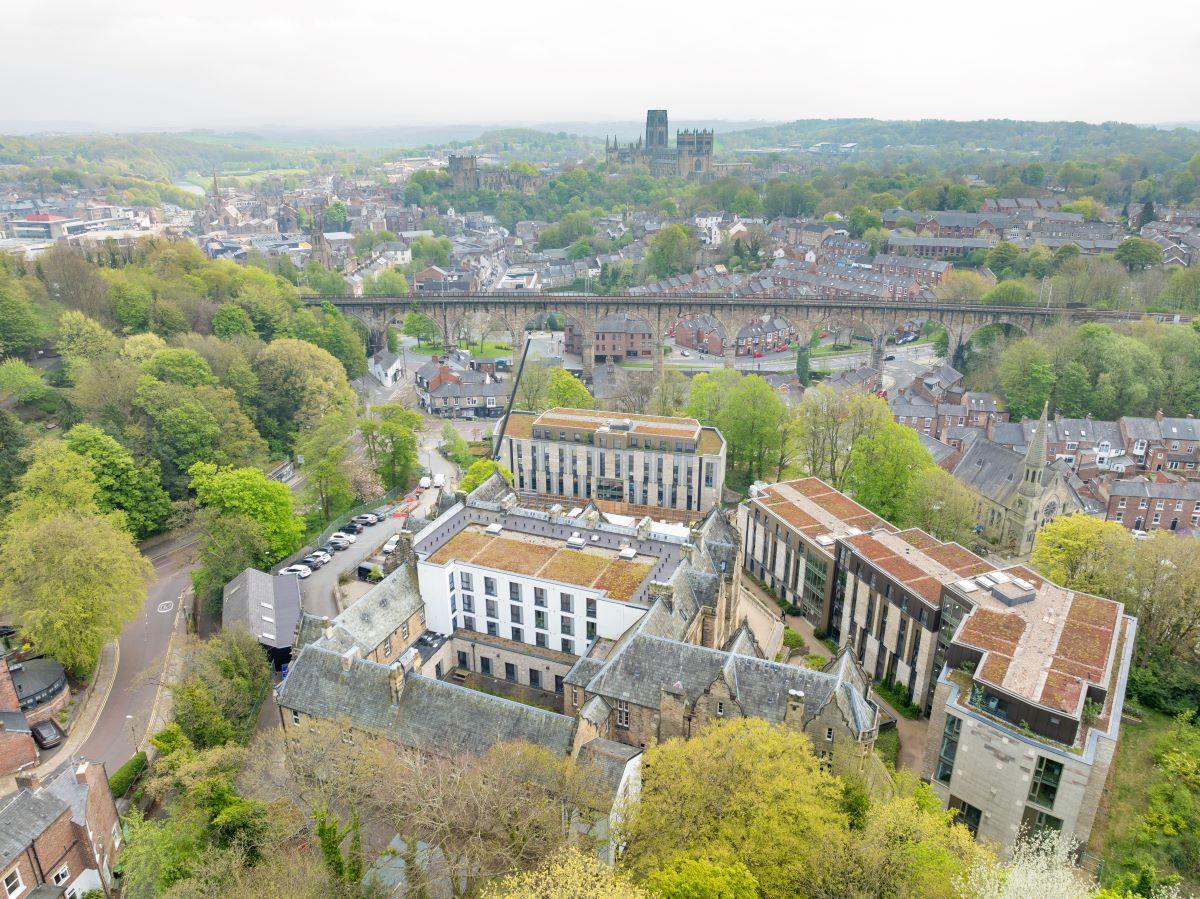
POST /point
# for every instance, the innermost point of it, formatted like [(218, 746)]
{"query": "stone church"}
[(690, 158)]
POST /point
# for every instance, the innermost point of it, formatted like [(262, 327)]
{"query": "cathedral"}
[(691, 157)]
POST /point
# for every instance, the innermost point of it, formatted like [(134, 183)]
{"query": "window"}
[(485, 666), (489, 586), (514, 614), (1044, 787), (387, 645), (539, 619), (574, 696), (295, 717), (469, 622), (622, 713), (462, 660), (949, 749), (567, 625), (829, 735), (13, 884), (591, 608), (518, 635), (539, 597), (568, 645), (493, 629), (1044, 821), (720, 707), (535, 676), (510, 672), (969, 817), (493, 610), (464, 580), (469, 604), (591, 630), (514, 592), (540, 639), (566, 602)]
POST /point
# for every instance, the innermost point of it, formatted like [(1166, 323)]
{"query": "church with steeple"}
[(1016, 493)]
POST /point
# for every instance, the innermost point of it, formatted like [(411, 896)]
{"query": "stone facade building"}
[(691, 157), (641, 461)]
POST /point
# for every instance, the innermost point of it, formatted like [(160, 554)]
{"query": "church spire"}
[(1035, 455)]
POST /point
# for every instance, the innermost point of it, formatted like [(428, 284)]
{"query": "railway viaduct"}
[(511, 312)]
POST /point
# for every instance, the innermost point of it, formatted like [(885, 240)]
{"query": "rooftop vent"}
[(627, 553), (825, 539), (1022, 583), (576, 541), (1012, 595), (493, 529)]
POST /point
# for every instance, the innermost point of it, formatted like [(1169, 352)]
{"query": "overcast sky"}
[(222, 63)]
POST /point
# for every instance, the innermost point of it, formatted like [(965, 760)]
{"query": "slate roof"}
[(433, 716), (607, 761), (940, 451), (1187, 490), (268, 606), (24, 816), (379, 612), (990, 469), (582, 672)]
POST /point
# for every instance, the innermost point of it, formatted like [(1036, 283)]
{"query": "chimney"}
[(81, 771), (659, 590), (348, 658), (396, 682), (1158, 416), (687, 551), (31, 781)]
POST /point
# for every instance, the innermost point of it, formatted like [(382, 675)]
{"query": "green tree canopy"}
[(883, 465), (669, 252), (249, 492), (567, 391), (480, 471), (1026, 378), (180, 366), (121, 483)]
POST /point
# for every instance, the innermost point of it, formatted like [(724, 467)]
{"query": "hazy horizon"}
[(149, 66)]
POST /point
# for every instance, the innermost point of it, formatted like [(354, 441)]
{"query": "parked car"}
[(439, 480), (342, 535), (392, 542), (757, 354), (313, 562), (425, 483), (337, 545), (328, 548), (684, 353), (367, 518), (46, 734), (301, 571), (890, 357), (325, 555), (353, 527)]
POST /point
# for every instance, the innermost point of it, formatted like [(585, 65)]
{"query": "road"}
[(143, 652)]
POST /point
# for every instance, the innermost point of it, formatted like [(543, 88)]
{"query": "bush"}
[(793, 640), (126, 775), (887, 745), (897, 697)]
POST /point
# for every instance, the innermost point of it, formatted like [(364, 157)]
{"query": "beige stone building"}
[(644, 462)]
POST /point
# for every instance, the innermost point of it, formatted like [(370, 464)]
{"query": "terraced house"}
[(642, 462)]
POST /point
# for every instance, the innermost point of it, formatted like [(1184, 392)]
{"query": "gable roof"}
[(268, 606), (24, 816)]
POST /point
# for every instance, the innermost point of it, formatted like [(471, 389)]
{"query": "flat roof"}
[(814, 509), (641, 425), (539, 550), (919, 561), (1047, 648)]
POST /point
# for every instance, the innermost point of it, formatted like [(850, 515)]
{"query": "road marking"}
[(166, 606)]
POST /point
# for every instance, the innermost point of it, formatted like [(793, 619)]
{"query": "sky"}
[(166, 64)]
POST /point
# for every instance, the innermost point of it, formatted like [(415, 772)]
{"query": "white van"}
[(425, 483), (439, 480)]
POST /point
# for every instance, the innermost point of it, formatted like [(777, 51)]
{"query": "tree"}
[(669, 252), (141, 347), (962, 287), (1042, 865), (229, 544), (57, 592), (19, 326), (82, 339), (55, 480), (299, 383), (938, 503), (1003, 257), (571, 874), (828, 425), (802, 361), (756, 425), (421, 327), (335, 216), (179, 366), (1136, 253), (21, 381), (1026, 378), (388, 283), (13, 458), (532, 390), (247, 491), (121, 483), (231, 320), (454, 447), (480, 471), (325, 450), (1010, 293), (740, 791), (698, 878), (565, 390), (1081, 553), (862, 219), (883, 465), (392, 442)]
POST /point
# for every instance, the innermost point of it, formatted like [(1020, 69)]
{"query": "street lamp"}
[(132, 736)]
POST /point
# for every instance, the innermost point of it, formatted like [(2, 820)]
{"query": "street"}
[(126, 715)]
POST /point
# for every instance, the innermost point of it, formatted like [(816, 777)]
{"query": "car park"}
[(343, 536), (890, 357), (684, 353), (46, 734), (352, 527), (313, 562), (325, 555), (328, 548), (367, 518), (301, 571), (392, 542)]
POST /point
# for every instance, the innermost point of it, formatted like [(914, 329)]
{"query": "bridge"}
[(511, 312)]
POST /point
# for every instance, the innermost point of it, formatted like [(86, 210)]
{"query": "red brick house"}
[(61, 832)]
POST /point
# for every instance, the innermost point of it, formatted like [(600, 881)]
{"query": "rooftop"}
[(920, 562), (816, 510), (641, 425)]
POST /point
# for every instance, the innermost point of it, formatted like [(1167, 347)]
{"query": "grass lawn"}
[(491, 349), (1115, 835), (887, 746)]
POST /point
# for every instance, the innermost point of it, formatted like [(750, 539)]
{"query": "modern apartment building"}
[(646, 461), (789, 533), (1027, 706)]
